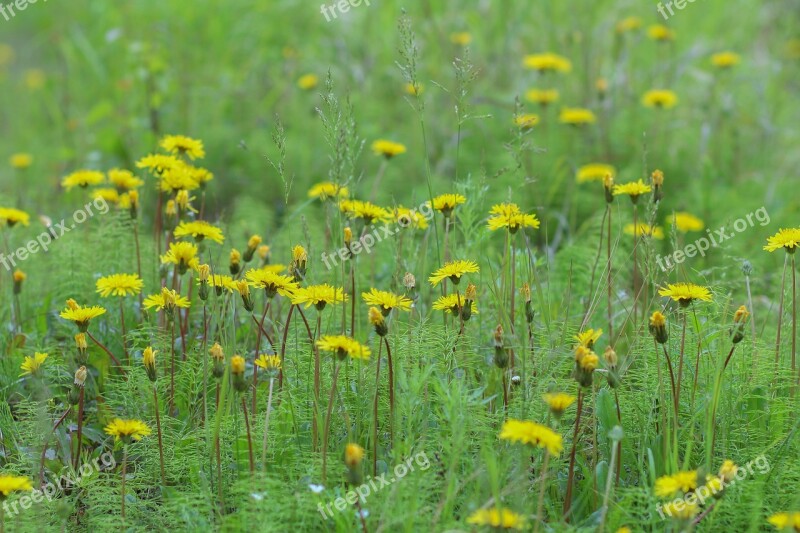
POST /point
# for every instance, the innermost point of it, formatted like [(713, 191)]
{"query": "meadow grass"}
[(98, 86)]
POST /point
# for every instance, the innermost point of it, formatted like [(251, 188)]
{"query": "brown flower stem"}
[(513, 295), (696, 372), (124, 333), (111, 355), (635, 266), (391, 389), (258, 349), (217, 450), (375, 412), (80, 430), (780, 313), (44, 448), (794, 317), (680, 363), (172, 371), (595, 263), (138, 259), (353, 297), (160, 441), (672, 382), (314, 434), (571, 476), (505, 392), (283, 344), (336, 368), (266, 426), (249, 438), (727, 359), (124, 475), (610, 278), (619, 444), (264, 332), (542, 487), (361, 516)]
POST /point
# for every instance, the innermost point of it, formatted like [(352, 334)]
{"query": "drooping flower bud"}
[(658, 327), (377, 319), (149, 361)]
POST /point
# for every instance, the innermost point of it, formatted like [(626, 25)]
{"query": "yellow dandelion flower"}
[(497, 517), (199, 230), (388, 149), (446, 203), (119, 285), (595, 172), (159, 163), (453, 303), (659, 32), (782, 521), (353, 455), (685, 293), (669, 486), (327, 190), (11, 217), (633, 189), (511, 217), (629, 24), (32, 364), (526, 120), (547, 62), (308, 81), (542, 97), (126, 430), (167, 299), (9, 484), (82, 178), (319, 296), (272, 282), (660, 98), (80, 315), (454, 270), (686, 222), (268, 362), (343, 346), (577, 116), (589, 337), (559, 402), (788, 239), (725, 59), (643, 229), (183, 145), (461, 38), (414, 89), (124, 180), (386, 300), (21, 161), (409, 218), (533, 434), (183, 254)]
